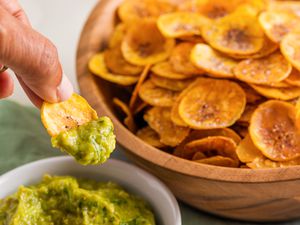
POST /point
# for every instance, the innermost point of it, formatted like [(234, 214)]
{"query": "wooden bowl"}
[(244, 194)]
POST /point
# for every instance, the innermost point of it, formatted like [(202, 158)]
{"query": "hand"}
[(31, 56)]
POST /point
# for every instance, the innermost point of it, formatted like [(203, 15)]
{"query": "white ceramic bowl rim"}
[(131, 177)]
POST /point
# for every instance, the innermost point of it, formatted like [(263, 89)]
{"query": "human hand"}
[(31, 56)]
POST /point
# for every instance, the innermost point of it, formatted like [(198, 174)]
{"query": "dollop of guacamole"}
[(90, 143), (71, 201)]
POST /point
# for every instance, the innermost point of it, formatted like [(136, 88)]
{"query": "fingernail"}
[(65, 89)]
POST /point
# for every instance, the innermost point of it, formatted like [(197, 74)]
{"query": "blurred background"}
[(61, 22)]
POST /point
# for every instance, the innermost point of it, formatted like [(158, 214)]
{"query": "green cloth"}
[(23, 139)]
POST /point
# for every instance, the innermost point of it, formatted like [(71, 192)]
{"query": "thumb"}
[(33, 58)]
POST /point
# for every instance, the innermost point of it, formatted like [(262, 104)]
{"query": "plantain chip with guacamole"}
[(76, 129), (71, 201)]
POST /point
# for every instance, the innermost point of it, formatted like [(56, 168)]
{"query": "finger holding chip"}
[(66, 115)]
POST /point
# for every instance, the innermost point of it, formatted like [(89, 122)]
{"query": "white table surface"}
[(61, 21)]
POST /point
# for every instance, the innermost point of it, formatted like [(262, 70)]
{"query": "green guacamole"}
[(68, 201), (91, 143)]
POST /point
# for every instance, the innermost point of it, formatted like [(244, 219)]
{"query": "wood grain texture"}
[(255, 195)]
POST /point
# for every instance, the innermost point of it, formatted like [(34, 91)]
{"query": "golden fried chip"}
[(200, 134), (135, 10), (233, 35), (179, 24), (294, 78), (264, 163), (159, 120), (128, 121), (270, 69), (97, 66), (63, 116), (217, 8), (290, 48), (212, 104), (214, 63), (244, 120), (218, 161), (164, 69), (180, 59), (247, 152), (117, 35), (157, 96), (148, 135), (268, 48), (277, 24), (292, 7), (277, 93), (171, 84), (212, 146), (116, 63), (273, 130), (137, 87), (143, 44)]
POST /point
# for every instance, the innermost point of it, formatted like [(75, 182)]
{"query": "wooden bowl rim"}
[(149, 153)]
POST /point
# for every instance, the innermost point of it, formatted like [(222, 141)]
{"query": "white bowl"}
[(132, 178)]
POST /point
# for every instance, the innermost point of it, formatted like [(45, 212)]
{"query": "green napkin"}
[(23, 139)]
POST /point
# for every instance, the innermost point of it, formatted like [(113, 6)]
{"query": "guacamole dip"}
[(90, 143), (68, 201)]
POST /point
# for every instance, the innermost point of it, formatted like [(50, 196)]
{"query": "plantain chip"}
[(264, 163), (290, 48), (180, 24), (233, 35), (293, 78), (218, 8), (212, 146), (157, 96), (164, 69), (171, 84), (268, 48), (129, 120), (146, 47), (116, 63), (159, 120), (148, 135), (212, 104), (180, 59), (218, 161), (200, 134), (277, 93), (63, 116), (277, 24), (291, 7), (97, 66), (270, 69), (214, 63), (247, 152), (117, 36), (273, 130), (131, 11)]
